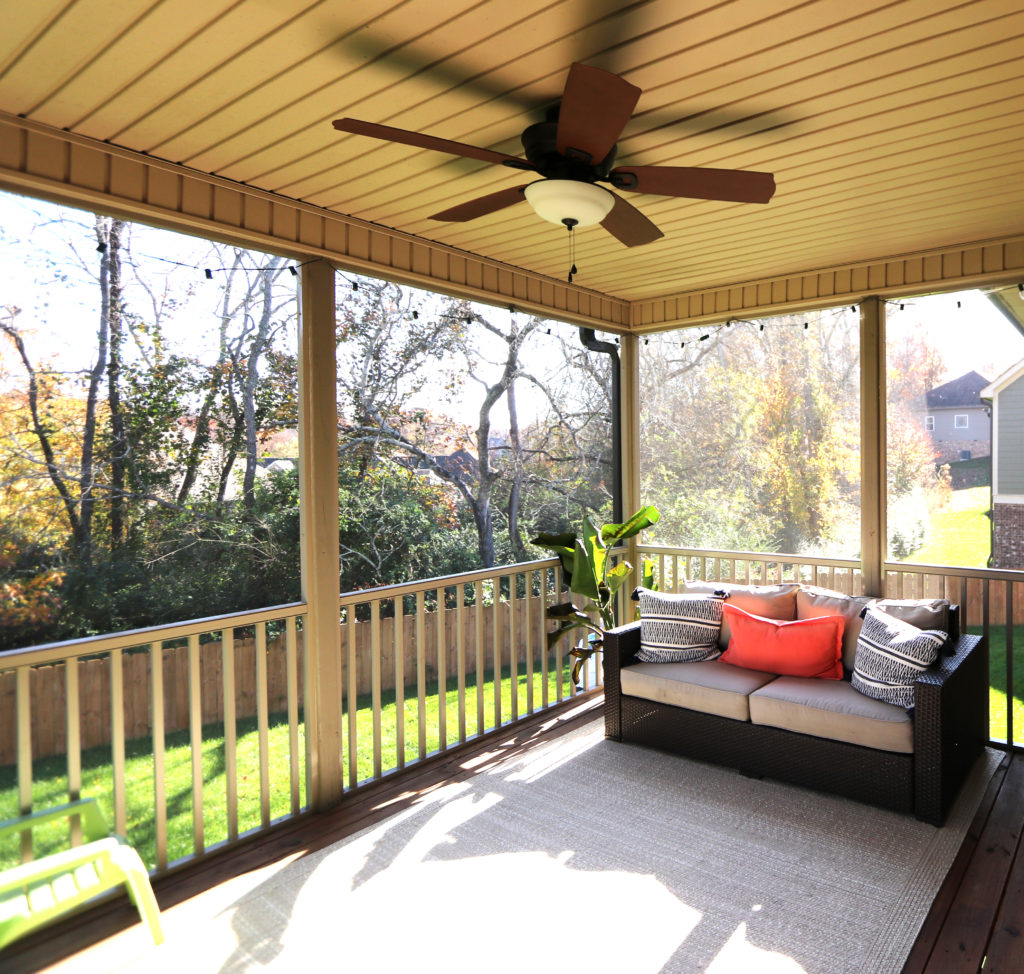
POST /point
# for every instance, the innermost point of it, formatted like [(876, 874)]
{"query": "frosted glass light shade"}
[(558, 200)]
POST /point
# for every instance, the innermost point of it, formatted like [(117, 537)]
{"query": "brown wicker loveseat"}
[(948, 732)]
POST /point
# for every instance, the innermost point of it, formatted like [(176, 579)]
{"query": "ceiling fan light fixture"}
[(569, 202)]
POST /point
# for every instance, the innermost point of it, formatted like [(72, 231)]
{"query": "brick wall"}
[(947, 451), (1008, 536)]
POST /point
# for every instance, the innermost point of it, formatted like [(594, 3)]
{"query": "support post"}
[(318, 512), (629, 425), (874, 536)]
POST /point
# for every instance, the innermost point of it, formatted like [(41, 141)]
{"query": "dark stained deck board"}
[(941, 905), (982, 893), (1006, 948)]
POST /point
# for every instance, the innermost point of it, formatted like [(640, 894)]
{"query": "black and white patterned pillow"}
[(891, 654), (679, 628)]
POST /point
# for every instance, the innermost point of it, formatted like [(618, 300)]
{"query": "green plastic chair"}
[(36, 892)]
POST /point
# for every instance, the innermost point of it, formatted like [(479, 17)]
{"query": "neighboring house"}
[(1006, 395), (958, 421)]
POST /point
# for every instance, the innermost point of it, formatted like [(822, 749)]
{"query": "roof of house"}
[(1011, 375), (962, 391)]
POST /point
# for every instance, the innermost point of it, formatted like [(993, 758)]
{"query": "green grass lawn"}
[(997, 683), (960, 533), (50, 786)]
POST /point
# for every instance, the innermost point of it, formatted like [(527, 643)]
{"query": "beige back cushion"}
[(923, 613), (812, 603), (768, 601)]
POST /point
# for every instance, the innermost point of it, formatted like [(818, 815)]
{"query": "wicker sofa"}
[(919, 773)]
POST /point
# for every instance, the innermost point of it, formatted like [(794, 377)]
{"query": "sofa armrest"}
[(620, 647), (950, 725)]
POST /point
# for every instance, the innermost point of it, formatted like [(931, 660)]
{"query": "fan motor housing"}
[(540, 145)]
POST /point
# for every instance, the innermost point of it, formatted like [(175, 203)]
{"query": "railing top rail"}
[(443, 581), (992, 574), (784, 559), (88, 645)]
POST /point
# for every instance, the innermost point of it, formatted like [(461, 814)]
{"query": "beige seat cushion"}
[(710, 686), (832, 709)]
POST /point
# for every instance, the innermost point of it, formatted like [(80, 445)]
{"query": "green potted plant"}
[(589, 573)]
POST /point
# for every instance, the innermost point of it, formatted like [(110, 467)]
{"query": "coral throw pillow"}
[(805, 647)]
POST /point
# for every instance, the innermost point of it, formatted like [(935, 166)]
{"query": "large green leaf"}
[(560, 545), (597, 552), (618, 576), (567, 625), (584, 576), (643, 518)]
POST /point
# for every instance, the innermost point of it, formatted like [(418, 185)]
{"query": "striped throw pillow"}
[(891, 655), (679, 628)]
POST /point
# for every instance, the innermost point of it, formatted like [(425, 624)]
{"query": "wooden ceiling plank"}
[(228, 62), (298, 100), (808, 55), (81, 32), (24, 25)]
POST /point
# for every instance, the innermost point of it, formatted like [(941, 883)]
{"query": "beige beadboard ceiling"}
[(892, 128)]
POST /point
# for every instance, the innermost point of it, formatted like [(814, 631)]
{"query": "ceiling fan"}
[(573, 150)]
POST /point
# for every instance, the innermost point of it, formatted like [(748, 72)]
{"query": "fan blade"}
[(732, 185), (482, 205), (629, 225), (389, 134), (595, 108)]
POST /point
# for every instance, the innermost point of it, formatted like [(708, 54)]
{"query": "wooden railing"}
[(673, 565), (163, 727), (469, 655), (991, 602), (209, 745)]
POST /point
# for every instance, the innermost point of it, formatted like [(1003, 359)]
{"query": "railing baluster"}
[(513, 647), (157, 725), (227, 655), (73, 739), (496, 646), (460, 660), (195, 726), (375, 663), (399, 644), (478, 621), (442, 673), (421, 673), (1009, 663), (292, 682), (352, 697), (117, 741), (528, 640), (23, 697), (263, 721), (545, 693), (558, 646)]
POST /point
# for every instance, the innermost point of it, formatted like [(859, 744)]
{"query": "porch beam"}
[(874, 537), (318, 513)]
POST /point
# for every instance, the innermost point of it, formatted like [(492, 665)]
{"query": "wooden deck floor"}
[(977, 918)]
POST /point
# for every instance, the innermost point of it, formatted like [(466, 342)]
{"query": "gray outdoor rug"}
[(587, 855)]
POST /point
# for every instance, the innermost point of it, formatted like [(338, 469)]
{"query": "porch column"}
[(318, 513), (874, 537), (630, 439)]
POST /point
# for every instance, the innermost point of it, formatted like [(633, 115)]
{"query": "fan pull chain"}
[(570, 225)]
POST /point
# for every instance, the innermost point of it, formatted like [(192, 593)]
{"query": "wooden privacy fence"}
[(47, 683)]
